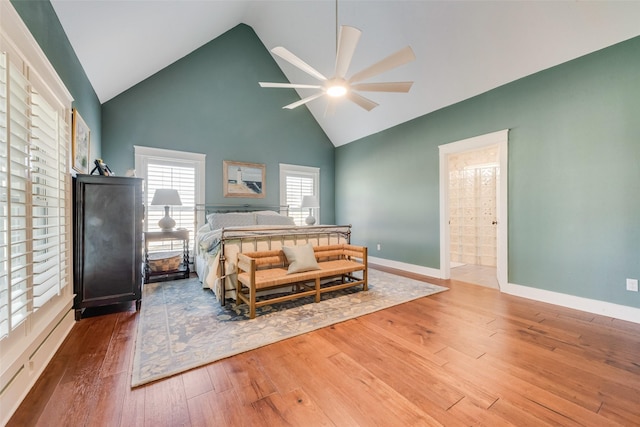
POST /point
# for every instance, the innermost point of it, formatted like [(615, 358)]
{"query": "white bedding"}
[(252, 238)]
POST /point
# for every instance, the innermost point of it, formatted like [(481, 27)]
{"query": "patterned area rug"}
[(182, 326)]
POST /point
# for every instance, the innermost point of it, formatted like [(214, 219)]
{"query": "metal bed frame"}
[(270, 234)]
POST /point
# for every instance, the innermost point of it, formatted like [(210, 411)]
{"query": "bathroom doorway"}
[(473, 209), (473, 181)]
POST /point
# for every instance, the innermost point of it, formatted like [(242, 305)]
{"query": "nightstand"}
[(182, 272)]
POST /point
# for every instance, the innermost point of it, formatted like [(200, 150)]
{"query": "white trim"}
[(142, 154), (164, 153), (22, 40), (412, 268), (314, 172), (501, 139), (28, 349), (21, 369), (603, 308)]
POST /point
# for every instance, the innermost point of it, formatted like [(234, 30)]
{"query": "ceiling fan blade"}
[(294, 60), (331, 106), (289, 85), (303, 101), (347, 42), (383, 87), (365, 103), (394, 60)]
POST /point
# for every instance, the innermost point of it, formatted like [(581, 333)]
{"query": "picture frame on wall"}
[(241, 179), (80, 143)]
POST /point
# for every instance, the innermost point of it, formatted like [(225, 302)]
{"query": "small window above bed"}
[(295, 183)]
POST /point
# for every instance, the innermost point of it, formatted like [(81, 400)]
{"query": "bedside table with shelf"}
[(182, 272)]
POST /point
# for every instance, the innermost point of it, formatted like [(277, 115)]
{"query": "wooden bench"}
[(266, 270)]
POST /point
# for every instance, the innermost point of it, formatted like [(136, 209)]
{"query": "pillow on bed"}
[(301, 258), (266, 213), (274, 219), (230, 219)]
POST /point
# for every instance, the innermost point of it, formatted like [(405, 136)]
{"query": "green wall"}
[(42, 21), (210, 102), (574, 170), (574, 177)]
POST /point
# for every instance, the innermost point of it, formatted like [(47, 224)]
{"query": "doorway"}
[(473, 209), (473, 181)]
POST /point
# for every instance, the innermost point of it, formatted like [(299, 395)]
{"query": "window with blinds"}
[(177, 170), (34, 195), (178, 177), (295, 183)]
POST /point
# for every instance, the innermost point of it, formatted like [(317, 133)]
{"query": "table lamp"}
[(310, 202), (167, 197)]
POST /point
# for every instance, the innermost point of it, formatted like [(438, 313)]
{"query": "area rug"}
[(182, 326)]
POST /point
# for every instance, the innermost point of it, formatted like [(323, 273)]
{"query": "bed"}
[(229, 230)]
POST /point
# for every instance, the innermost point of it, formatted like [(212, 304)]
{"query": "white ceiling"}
[(463, 48)]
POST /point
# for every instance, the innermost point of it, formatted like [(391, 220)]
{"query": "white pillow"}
[(301, 258), (231, 219), (276, 219)]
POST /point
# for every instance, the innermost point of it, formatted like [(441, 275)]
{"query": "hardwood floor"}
[(468, 356)]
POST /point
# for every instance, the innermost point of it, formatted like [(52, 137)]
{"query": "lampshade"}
[(166, 197), (310, 202)]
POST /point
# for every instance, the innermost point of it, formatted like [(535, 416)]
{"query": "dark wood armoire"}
[(108, 241)]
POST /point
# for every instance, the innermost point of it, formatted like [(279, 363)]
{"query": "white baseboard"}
[(411, 268), (603, 308)]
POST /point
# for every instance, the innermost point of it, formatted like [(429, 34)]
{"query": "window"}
[(295, 183), (35, 195), (179, 170)]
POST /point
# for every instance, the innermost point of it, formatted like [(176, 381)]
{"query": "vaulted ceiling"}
[(463, 48)]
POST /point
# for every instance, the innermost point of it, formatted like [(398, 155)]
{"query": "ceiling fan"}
[(338, 85)]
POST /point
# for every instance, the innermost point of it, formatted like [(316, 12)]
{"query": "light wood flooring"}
[(467, 356)]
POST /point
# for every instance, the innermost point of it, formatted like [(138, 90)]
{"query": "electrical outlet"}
[(379, 246), (632, 285)]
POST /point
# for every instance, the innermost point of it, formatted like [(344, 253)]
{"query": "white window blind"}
[(179, 177), (295, 183), (34, 195), (16, 153), (48, 186)]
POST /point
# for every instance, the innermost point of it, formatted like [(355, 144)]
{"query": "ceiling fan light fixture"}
[(337, 90), (338, 86)]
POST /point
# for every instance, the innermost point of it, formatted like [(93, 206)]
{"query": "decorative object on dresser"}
[(167, 197), (172, 264), (310, 202), (101, 168), (108, 214)]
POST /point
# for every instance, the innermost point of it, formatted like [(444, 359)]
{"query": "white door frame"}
[(499, 138)]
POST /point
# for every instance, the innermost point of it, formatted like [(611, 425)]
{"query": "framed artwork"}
[(243, 179), (80, 142)]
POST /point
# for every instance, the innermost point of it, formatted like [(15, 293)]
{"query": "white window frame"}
[(307, 171), (143, 155), (29, 346)]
